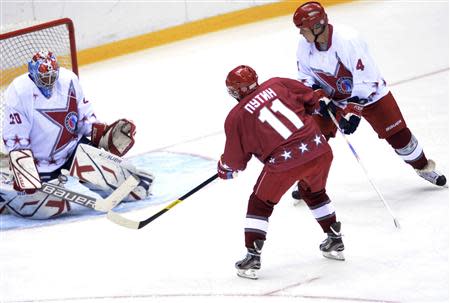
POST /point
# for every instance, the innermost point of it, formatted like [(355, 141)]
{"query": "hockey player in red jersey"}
[(337, 61), (273, 122)]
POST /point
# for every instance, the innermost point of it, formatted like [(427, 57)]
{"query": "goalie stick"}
[(100, 204), (396, 222), (120, 220)]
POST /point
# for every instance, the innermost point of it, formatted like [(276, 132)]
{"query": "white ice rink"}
[(176, 96)]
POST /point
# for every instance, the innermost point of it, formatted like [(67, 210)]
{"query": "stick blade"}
[(122, 221), (118, 195)]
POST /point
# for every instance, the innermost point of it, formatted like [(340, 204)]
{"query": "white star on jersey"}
[(317, 140), (303, 147), (272, 160), (286, 155)]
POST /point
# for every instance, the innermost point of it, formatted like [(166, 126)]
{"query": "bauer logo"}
[(393, 125), (68, 196), (110, 157)]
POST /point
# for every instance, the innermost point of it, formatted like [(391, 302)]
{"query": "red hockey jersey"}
[(274, 124)]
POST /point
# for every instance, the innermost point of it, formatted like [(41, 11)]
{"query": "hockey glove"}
[(349, 123), (355, 105), (353, 111), (326, 104), (224, 171), (311, 104), (116, 138)]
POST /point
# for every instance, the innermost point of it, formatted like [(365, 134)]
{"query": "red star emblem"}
[(66, 119), (340, 83), (16, 140)]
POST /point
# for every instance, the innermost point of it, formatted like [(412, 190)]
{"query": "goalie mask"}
[(44, 71), (241, 81), (311, 15)]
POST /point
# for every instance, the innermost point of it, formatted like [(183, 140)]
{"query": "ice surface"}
[(176, 96)]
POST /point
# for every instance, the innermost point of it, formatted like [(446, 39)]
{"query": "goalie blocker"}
[(24, 195), (21, 193)]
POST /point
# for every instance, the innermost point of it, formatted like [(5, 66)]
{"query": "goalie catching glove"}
[(117, 138)]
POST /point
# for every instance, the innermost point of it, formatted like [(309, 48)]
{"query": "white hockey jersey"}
[(50, 127), (345, 70)]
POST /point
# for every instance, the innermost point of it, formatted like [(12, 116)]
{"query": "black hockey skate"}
[(297, 198), (432, 175), (248, 267), (332, 247)]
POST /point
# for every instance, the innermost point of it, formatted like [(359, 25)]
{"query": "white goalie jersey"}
[(345, 70), (49, 127)]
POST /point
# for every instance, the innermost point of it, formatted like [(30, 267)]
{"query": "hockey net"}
[(17, 46)]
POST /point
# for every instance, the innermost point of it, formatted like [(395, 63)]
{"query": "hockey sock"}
[(408, 148), (257, 220), (321, 208)]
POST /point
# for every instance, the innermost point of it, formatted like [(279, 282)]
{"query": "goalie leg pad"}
[(141, 192), (37, 205), (105, 172), (144, 188)]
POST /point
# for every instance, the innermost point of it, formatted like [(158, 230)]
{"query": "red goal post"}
[(19, 45)]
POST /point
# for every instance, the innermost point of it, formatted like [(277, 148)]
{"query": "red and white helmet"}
[(310, 15), (241, 81)]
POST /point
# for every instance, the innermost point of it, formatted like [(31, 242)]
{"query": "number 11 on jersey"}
[(267, 115)]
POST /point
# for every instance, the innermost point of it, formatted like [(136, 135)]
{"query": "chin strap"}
[(321, 32)]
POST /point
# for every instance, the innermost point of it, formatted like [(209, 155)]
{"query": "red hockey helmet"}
[(241, 81), (310, 15)]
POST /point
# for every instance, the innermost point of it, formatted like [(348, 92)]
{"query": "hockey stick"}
[(396, 222), (120, 220), (104, 205)]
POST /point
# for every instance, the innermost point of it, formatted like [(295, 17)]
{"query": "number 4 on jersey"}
[(360, 65), (267, 115)]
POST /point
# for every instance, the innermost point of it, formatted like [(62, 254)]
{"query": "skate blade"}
[(247, 273), (335, 255)]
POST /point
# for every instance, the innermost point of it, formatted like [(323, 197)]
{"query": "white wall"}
[(101, 22)]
